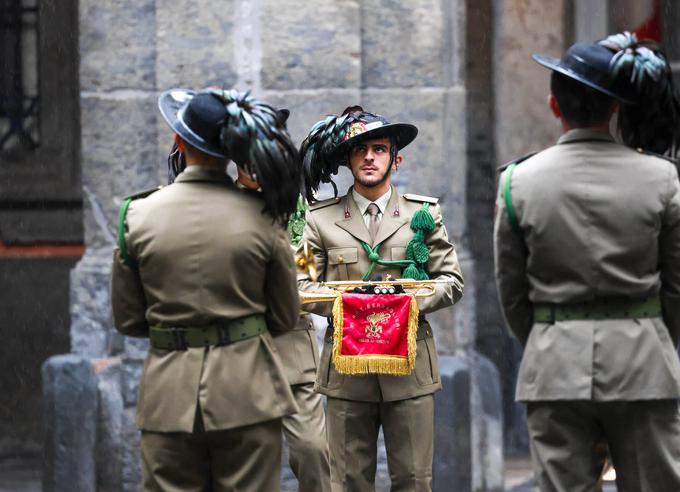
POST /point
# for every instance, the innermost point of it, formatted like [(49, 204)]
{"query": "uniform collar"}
[(363, 202), (202, 173), (354, 220), (585, 134)]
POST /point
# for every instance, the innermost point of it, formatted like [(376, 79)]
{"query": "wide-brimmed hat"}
[(368, 126), (197, 117), (588, 63)]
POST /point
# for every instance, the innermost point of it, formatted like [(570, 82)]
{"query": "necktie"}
[(374, 220)]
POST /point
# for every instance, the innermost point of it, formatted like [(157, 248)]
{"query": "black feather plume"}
[(254, 136)]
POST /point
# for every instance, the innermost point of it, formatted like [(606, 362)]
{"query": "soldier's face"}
[(370, 161)]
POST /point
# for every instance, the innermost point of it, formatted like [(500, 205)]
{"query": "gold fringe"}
[(393, 365)]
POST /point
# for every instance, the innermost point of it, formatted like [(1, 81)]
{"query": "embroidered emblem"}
[(373, 329), (356, 129)]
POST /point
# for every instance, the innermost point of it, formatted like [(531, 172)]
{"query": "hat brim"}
[(554, 64), (170, 103), (402, 133)]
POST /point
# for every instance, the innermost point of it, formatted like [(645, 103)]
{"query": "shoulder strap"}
[(122, 213), (122, 246), (507, 198)]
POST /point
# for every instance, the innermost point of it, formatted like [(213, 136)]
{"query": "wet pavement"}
[(24, 475)]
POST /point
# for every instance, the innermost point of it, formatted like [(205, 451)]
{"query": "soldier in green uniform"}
[(374, 216), (305, 431), (206, 272), (587, 251)]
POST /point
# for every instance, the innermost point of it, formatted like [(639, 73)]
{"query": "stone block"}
[(486, 405), (132, 371), (468, 425), (452, 468), (131, 455), (117, 45), (195, 44), (410, 44), (117, 158), (434, 164), (70, 423), (92, 333), (109, 445), (310, 44), (523, 122)]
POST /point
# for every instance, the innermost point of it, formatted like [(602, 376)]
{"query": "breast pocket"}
[(338, 259)]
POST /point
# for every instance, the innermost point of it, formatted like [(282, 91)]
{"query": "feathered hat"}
[(641, 71), (587, 63), (327, 146), (236, 126)]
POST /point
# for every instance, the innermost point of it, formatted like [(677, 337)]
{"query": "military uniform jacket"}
[(334, 231), (597, 220), (299, 351), (205, 253)]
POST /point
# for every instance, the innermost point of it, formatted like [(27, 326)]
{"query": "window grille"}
[(19, 98)]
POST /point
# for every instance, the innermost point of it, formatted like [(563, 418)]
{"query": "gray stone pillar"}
[(70, 405)]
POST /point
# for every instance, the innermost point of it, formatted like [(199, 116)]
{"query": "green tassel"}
[(296, 223), (412, 272), (422, 220)]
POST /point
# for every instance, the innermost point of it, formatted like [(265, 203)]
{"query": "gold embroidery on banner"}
[(374, 330)]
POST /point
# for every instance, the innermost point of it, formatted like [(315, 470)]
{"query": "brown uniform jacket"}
[(299, 352), (206, 253), (334, 231), (597, 220)]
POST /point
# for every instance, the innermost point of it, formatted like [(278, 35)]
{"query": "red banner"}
[(375, 334)]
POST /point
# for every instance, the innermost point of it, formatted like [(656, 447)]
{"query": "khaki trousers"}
[(245, 459), (408, 428), (305, 433), (569, 441)]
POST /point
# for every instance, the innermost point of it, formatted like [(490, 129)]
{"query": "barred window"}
[(19, 98)]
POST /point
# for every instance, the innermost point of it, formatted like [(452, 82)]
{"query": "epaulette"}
[(420, 198), (323, 203), (122, 213), (503, 167), (143, 194), (672, 160)]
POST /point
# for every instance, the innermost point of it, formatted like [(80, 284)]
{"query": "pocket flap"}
[(339, 256)]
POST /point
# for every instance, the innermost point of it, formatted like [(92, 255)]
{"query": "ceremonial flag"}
[(375, 334)]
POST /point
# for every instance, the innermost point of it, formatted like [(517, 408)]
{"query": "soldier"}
[(205, 271), (587, 251), (373, 214), (305, 431)]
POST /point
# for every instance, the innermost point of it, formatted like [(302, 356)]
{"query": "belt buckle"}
[(223, 337), (179, 338)]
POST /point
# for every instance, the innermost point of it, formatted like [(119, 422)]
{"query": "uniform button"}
[(341, 259)]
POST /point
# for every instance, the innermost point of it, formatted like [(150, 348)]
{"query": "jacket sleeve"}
[(669, 259), (442, 265), (128, 301), (510, 259), (313, 238), (280, 288)]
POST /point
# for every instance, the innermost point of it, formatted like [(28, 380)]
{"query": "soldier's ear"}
[(180, 144), (397, 161), (554, 106)]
